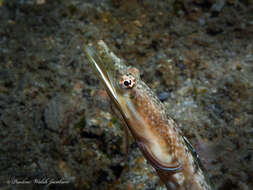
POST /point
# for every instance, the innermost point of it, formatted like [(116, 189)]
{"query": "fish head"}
[(120, 81)]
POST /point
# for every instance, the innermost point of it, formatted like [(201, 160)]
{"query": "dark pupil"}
[(127, 83)]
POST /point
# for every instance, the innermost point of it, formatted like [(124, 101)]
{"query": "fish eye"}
[(127, 81)]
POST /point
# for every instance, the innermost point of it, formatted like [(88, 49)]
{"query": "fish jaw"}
[(103, 73)]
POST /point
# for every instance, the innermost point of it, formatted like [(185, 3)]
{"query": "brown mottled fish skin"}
[(166, 132), (156, 134)]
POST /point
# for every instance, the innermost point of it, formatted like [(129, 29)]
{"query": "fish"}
[(157, 135)]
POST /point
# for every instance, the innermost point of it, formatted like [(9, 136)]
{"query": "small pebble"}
[(218, 6), (163, 96), (202, 21)]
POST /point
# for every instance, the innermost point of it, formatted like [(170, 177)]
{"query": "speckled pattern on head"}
[(157, 135)]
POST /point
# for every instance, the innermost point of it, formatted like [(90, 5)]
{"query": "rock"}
[(54, 113), (163, 96)]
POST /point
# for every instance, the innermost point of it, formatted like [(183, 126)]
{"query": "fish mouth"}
[(103, 71)]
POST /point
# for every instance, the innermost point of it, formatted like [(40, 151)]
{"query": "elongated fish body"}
[(156, 134)]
